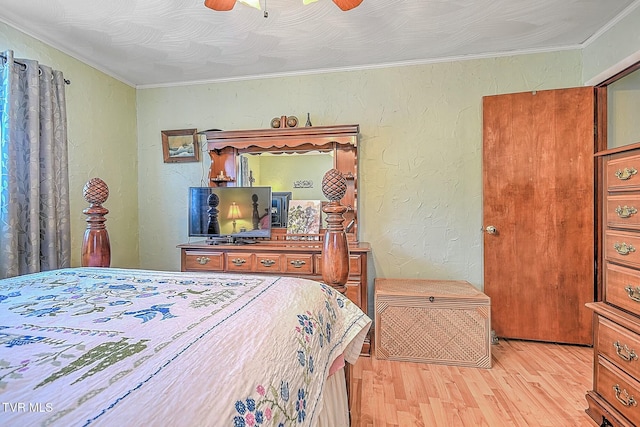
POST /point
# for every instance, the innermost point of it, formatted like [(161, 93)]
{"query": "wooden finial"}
[(96, 249), (335, 253)]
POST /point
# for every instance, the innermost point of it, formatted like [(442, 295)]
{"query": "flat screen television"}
[(230, 213)]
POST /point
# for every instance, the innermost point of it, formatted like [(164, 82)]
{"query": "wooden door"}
[(538, 194)]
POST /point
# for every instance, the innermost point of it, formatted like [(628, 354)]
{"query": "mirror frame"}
[(224, 148)]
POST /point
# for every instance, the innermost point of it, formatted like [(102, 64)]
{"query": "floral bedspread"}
[(95, 346)]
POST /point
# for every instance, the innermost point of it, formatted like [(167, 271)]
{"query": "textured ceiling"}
[(163, 42)]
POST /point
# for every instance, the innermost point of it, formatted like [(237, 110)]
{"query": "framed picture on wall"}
[(180, 146)]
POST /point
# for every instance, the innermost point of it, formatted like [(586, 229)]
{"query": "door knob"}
[(491, 229)]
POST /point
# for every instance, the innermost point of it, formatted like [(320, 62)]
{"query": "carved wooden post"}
[(213, 226), (335, 253), (96, 249)]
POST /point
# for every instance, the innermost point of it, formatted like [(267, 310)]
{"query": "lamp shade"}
[(234, 211)]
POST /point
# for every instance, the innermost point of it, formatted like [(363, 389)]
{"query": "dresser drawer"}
[(621, 346), (269, 263), (203, 261), (355, 263), (622, 173), (619, 389), (622, 247), (622, 287), (353, 292), (623, 211), (299, 263), (239, 262)]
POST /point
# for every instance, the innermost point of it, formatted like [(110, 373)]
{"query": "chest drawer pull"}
[(238, 261), (267, 262), (202, 260), (623, 248), (298, 263), (626, 211), (633, 294), (626, 173), (626, 400), (624, 352)]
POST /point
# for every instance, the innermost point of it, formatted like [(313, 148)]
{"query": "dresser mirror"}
[(298, 173), (623, 103), (289, 160)]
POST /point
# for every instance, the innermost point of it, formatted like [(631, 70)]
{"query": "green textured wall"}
[(419, 155)]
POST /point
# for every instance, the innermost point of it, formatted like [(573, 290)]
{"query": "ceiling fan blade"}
[(220, 5), (347, 4)]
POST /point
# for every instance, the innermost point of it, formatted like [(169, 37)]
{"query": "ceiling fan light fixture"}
[(252, 3)]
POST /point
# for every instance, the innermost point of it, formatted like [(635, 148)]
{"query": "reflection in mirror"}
[(280, 208), (623, 104), (298, 173)]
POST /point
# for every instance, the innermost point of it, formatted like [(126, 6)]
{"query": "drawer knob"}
[(298, 263), (238, 261), (624, 352), (202, 260), (626, 173), (623, 248), (626, 211), (623, 396), (633, 294), (267, 262)]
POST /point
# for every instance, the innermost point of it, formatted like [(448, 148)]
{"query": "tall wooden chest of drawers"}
[(615, 398)]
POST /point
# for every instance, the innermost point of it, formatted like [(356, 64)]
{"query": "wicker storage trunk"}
[(432, 321)]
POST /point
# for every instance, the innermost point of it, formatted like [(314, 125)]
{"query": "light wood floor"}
[(530, 384)]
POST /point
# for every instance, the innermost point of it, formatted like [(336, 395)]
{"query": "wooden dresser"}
[(285, 254), (615, 398), (301, 259)]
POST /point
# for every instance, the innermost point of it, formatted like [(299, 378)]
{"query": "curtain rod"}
[(66, 81)]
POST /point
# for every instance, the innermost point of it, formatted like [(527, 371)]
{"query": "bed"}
[(108, 346)]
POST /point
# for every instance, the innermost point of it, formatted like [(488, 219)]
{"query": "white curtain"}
[(34, 179)]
